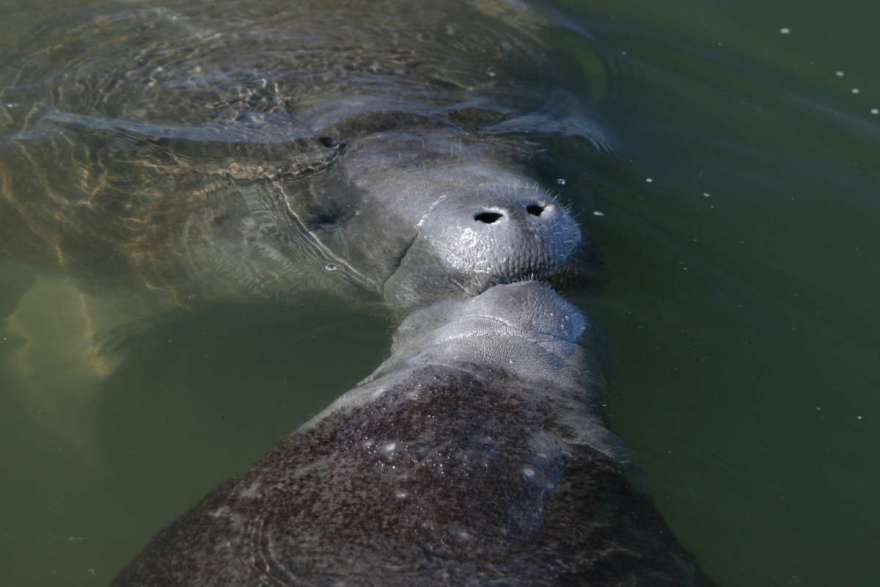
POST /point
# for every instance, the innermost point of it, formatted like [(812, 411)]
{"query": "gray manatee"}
[(475, 455), (221, 151)]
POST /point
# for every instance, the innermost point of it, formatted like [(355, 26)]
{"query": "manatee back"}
[(179, 62), (437, 476)]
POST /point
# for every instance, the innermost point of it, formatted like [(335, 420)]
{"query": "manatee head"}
[(525, 329), (530, 310), (439, 216), (487, 226)]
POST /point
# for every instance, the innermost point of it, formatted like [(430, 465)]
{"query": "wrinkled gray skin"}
[(207, 151), (475, 455), (425, 216)]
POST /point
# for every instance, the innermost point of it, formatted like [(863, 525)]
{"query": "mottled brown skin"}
[(436, 472), (328, 502)]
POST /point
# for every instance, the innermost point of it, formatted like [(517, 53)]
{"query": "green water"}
[(739, 221)]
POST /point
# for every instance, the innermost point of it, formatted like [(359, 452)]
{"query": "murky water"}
[(738, 214)]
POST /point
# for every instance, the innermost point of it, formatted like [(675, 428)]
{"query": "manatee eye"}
[(488, 217), (535, 209)]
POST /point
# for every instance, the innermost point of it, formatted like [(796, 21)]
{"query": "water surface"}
[(734, 192)]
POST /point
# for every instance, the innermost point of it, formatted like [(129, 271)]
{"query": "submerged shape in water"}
[(204, 155)]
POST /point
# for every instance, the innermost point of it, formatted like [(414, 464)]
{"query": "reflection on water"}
[(735, 200)]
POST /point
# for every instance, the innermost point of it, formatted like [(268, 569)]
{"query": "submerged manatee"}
[(224, 150), (475, 455)]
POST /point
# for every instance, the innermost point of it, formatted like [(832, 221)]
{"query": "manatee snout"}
[(498, 234)]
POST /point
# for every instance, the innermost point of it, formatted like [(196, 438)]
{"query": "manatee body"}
[(226, 151), (475, 455)]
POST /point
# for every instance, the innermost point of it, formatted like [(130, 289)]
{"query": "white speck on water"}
[(624, 53), (785, 31), (390, 447), (330, 267), (598, 213), (649, 180), (91, 571), (858, 417), (491, 72), (560, 180), (528, 472), (401, 494), (839, 73), (875, 111), (707, 195), (855, 90), (818, 408)]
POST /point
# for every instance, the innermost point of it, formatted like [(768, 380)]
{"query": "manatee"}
[(221, 151), (476, 454)]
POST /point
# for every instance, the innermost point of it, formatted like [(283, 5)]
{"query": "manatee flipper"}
[(70, 333), (14, 283), (59, 364)]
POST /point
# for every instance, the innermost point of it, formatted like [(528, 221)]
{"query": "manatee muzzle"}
[(467, 244)]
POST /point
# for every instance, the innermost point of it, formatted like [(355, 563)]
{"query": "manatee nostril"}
[(488, 217), (535, 209)]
